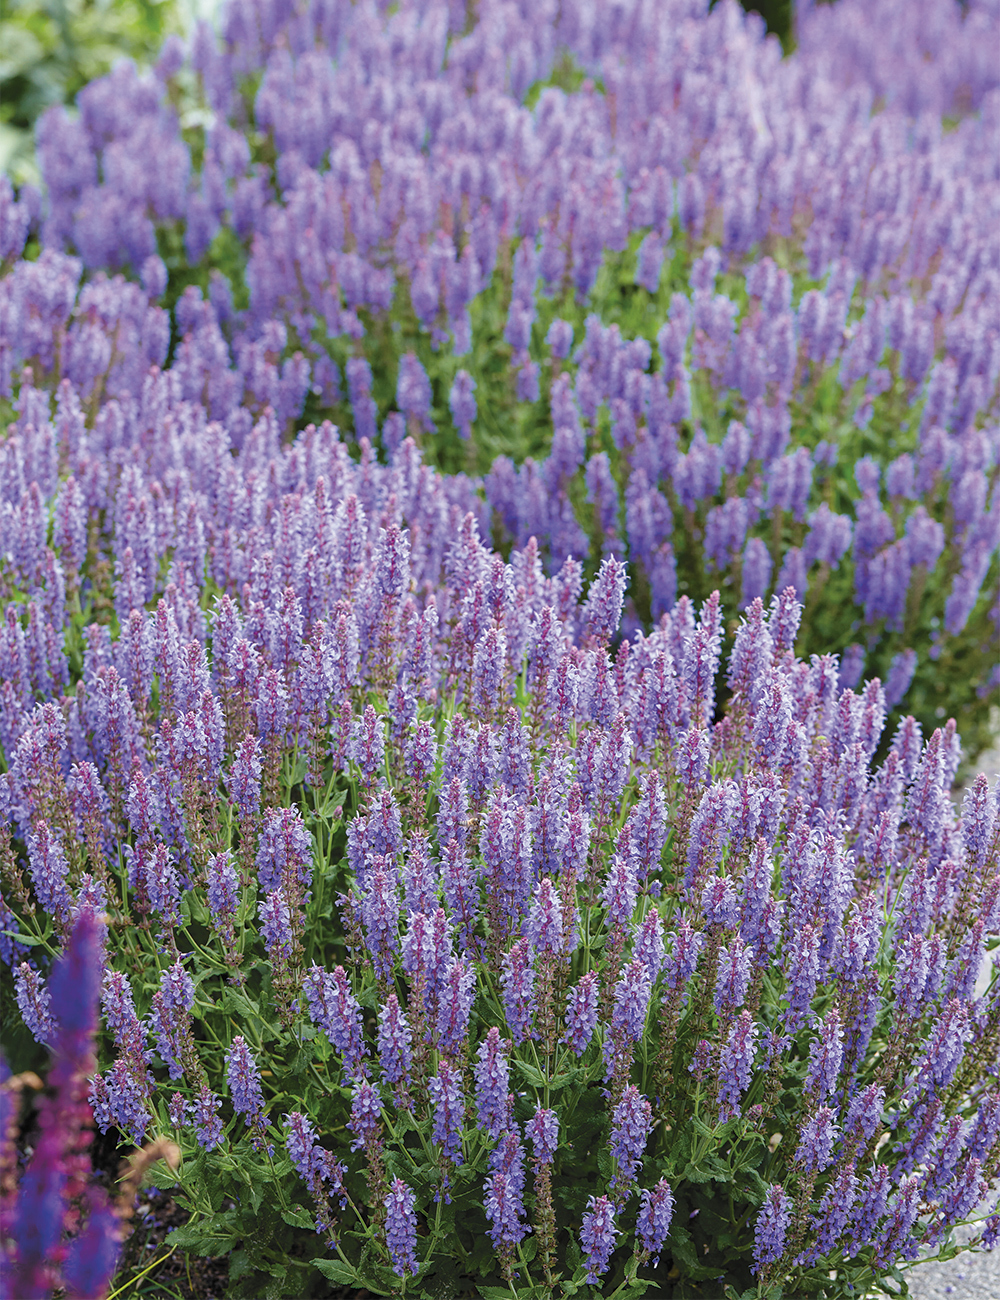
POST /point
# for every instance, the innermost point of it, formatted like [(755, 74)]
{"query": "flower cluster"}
[(438, 802)]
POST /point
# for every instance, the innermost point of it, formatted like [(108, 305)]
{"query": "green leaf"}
[(28, 939), (635, 1289), (682, 1247), (214, 1235), (531, 1074), (239, 1265), (299, 1218), (337, 1271)]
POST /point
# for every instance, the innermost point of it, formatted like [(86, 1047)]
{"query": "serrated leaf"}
[(682, 1247), (214, 1235), (239, 1265), (337, 1271), (298, 1218), (531, 1074)]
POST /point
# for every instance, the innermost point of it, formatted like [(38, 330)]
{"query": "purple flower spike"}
[(244, 1082), (395, 1042), (772, 1227), (736, 1065), (492, 1076), (603, 610), (462, 401), (825, 1056), (207, 1123), (816, 1140), (334, 1008), (401, 1228), (631, 1125), (34, 1003), (518, 981), (597, 1236), (656, 1211), (366, 1116), (504, 1209), (581, 1012), (455, 1005), (449, 1109), (543, 1130)]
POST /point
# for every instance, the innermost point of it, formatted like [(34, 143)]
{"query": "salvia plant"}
[(510, 878), (659, 292)]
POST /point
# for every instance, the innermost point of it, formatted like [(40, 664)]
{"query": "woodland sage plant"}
[(503, 876)]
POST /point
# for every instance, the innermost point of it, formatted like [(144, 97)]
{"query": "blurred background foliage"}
[(49, 49)]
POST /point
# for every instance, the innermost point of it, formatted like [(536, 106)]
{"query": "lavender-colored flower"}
[(945, 1048), (581, 1012), (277, 925), (492, 1077), (868, 1209), (864, 1113), (455, 999), (647, 945), (543, 1130), (449, 1110), (597, 1236), (720, 903), (223, 889), (603, 608), (48, 866), (34, 1003), (733, 977), (656, 1211), (121, 1098), (560, 338), (802, 973), (284, 853), (170, 1019), (380, 914), (899, 677), (177, 1108), (826, 1053), (683, 959), (401, 1228), (207, 1123), (631, 1002), (245, 777), (395, 1042), (303, 1149), (816, 1140), (334, 1008), (631, 1125), (507, 1157), (544, 926), (894, 1241), (621, 890), (505, 1211), (831, 1219), (736, 1065), (462, 402), (366, 1116), (518, 982), (771, 1228), (244, 1082), (413, 391), (985, 1127)]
